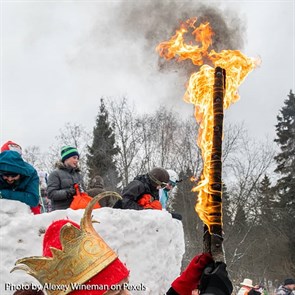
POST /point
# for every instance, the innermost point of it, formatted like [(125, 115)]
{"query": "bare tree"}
[(129, 137), (72, 134), (34, 156)]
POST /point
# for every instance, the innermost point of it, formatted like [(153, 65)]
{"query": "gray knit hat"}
[(158, 176), (67, 152)]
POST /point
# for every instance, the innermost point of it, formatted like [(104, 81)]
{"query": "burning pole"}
[(228, 65), (212, 241)]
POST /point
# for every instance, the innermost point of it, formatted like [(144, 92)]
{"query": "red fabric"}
[(36, 210), (144, 200), (111, 275), (156, 205), (190, 278)]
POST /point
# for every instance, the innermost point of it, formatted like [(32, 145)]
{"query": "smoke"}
[(155, 22)]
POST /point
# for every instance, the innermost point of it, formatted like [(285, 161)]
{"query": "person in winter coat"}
[(287, 287), (60, 186), (164, 192), (246, 286), (96, 186), (12, 146), (18, 179), (143, 191)]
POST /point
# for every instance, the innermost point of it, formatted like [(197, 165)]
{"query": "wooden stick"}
[(213, 235)]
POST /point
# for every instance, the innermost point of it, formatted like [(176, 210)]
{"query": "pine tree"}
[(267, 202), (285, 130), (102, 152)]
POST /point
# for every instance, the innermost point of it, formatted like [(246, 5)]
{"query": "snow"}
[(149, 242)]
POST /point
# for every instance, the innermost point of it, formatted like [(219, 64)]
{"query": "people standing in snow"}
[(286, 288), (60, 187), (18, 179), (143, 191)]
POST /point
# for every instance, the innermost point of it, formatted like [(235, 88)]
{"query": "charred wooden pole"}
[(213, 235)]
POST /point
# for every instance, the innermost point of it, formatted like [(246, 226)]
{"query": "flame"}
[(200, 93)]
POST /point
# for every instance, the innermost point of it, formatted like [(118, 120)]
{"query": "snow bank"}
[(149, 242)]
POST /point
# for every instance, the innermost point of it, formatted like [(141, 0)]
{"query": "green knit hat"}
[(67, 152)]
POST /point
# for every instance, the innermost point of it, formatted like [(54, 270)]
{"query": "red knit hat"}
[(114, 273), (11, 146)]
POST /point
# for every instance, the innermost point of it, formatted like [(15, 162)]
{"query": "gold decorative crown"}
[(84, 254)]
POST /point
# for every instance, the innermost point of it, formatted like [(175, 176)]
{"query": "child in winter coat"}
[(60, 187), (143, 191)]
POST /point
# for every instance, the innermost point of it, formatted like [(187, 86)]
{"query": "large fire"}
[(200, 93)]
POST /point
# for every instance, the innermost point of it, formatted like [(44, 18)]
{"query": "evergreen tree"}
[(267, 202), (102, 152), (285, 130)]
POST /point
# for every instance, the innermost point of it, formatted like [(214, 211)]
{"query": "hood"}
[(61, 165), (12, 161)]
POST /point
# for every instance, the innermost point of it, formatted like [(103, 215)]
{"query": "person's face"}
[(10, 179), (291, 286), (72, 162), (170, 186)]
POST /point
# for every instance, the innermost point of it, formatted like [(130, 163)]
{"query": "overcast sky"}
[(60, 57)]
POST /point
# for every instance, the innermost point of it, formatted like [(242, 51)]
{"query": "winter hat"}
[(289, 282), (159, 176), (75, 255), (67, 152), (97, 182), (247, 283), (11, 146)]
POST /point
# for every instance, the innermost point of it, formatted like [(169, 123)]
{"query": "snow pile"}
[(149, 242)]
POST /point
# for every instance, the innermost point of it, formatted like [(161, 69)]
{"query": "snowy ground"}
[(149, 242)]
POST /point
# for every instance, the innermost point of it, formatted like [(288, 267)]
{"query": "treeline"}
[(259, 179)]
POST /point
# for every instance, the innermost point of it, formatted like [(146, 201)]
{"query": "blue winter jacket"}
[(26, 189)]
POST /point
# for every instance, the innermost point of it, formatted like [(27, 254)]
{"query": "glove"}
[(215, 280), (144, 200), (70, 192), (190, 278), (154, 205)]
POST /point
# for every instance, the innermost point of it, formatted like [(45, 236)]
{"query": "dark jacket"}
[(282, 290), (96, 187), (134, 191), (26, 189), (60, 182)]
